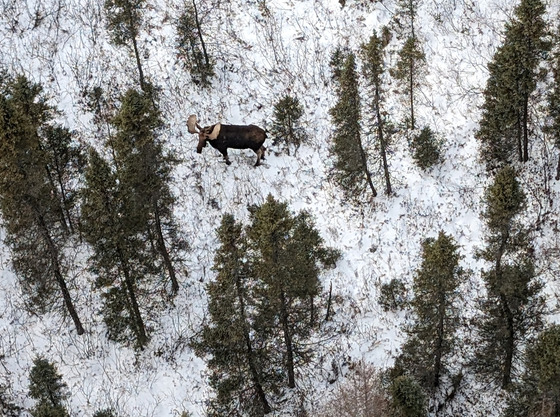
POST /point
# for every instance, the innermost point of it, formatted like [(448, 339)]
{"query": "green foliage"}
[(124, 19), (504, 200), (286, 129), (34, 193), (426, 148), (46, 386), (262, 306), (120, 255), (105, 413), (513, 76), (408, 72), (373, 68), (432, 336), (350, 171), (408, 398), (553, 99), (239, 360), (191, 49), (513, 309), (393, 295), (538, 392)]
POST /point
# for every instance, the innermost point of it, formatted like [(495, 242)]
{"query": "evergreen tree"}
[(538, 393), (287, 255), (66, 160), (373, 69), (285, 125), (425, 148), (191, 48), (432, 336), (513, 307), (144, 174), (124, 22), (408, 398), (553, 99), (239, 359), (410, 63), (411, 58), (46, 386), (30, 202), (513, 76), (350, 170), (119, 259)]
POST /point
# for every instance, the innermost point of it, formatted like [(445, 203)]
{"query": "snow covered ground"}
[(264, 49)]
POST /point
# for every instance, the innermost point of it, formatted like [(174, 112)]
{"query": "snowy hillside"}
[(264, 49)]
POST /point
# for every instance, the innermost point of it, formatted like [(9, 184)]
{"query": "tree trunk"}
[(164, 252), (329, 302), (287, 341), (382, 144), (525, 130), (365, 166), (199, 31), (255, 375), (411, 93), (53, 252), (558, 169), (440, 340), (509, 342), (140, 330)]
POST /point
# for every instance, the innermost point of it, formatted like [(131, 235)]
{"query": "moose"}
[(222, 137)]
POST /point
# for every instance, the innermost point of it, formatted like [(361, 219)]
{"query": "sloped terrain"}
[(263, 50)]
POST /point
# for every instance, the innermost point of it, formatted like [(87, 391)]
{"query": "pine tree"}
[(350, 170), (239, 359), (513, 308), (124, 22), (432, 336), (287, 255), (513, 76), (119, 259), (538, 392), (191, 48), (30, 203), (553, 99), (144, 174), (408, 398), (46, 386), (426, 149), (411, 60), (286, 129), (408, 72), (373, 68)]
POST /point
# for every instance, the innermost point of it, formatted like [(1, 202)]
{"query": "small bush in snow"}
[(426, 148), (393, 295)]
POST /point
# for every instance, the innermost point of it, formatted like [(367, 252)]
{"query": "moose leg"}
[(224, 153), (260, 154)]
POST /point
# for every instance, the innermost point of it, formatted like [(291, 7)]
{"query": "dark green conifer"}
[(373, 68), (432, 336), (124, 22), (31, 204), (408, 72), (513, 308), (191, 48), (426, 149), (144, 175), (513, 76), (286, 129), (120, 255), (46, 386), (350, 169), (408, 397), (239, 358), (553, 99), (287, 255)]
